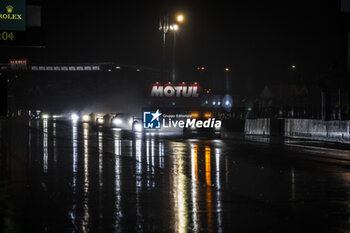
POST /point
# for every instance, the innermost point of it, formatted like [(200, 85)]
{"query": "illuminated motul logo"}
[(181, 90)]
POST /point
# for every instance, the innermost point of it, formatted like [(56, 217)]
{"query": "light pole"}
[(227, 80), (174, 28), (163, 28)]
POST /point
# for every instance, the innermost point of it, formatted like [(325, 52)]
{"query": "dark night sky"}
[(257, 39)]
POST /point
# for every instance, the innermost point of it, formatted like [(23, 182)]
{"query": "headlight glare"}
[(86, 118), (117, 121), (138, 127), (74, 117)]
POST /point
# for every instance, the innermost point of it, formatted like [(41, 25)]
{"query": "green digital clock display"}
[(6, 36)]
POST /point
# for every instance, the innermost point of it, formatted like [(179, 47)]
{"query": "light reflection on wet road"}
[(85, 179)]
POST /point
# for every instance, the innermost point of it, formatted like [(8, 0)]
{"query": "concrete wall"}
[(304, 128)]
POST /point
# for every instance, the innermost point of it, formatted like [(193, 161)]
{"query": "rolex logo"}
[(9, 15), (9, 9)]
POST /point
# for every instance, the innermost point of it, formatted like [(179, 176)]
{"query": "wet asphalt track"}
[(65, 177)]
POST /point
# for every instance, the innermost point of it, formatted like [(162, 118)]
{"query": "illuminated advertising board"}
[(180, 90), (13, 15)]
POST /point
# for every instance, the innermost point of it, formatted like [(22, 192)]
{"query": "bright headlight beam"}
[(86, 118), (138, 127), (117, 121), (74, 117)]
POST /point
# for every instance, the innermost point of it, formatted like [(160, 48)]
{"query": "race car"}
[(104, 120), (89, 118), (203, 117), (123, 121)]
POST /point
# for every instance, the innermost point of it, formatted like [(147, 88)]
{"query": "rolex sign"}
[(13, 15)]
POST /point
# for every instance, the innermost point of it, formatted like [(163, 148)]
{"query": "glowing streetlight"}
[(174, 27), (180, 18)]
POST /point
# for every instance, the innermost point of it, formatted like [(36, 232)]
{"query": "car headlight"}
[(74, 117), (86, 118), (45, 116), (100, 120), (138, 127), (117, 121)]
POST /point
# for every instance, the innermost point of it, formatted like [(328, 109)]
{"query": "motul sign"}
[(180, 90)]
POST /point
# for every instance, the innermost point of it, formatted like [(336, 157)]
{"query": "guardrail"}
[(302, 128)]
